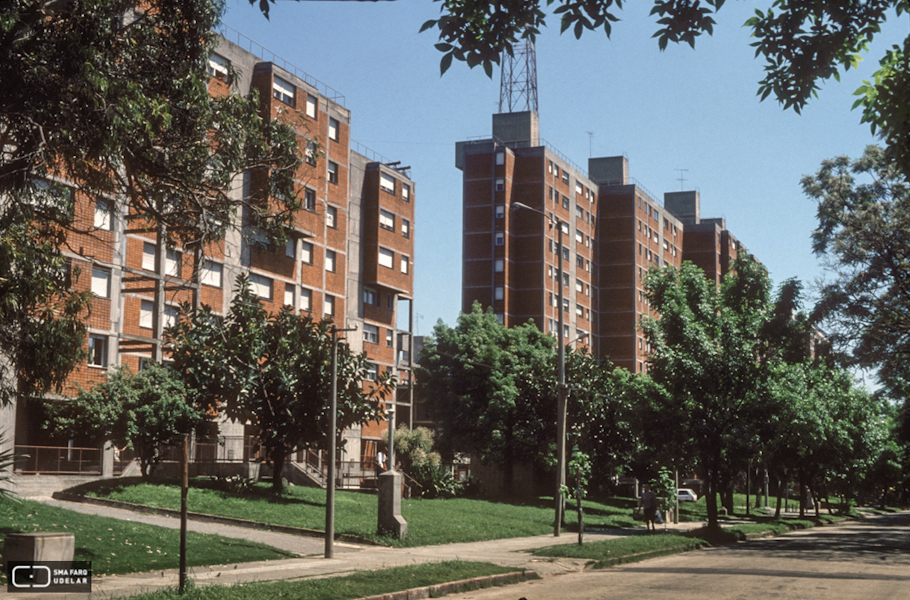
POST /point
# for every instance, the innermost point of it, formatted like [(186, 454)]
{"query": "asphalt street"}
[(867, 560)]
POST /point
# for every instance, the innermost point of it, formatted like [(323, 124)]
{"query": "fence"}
[(58, 460)]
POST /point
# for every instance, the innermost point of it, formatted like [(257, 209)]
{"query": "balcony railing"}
[(58, 460)]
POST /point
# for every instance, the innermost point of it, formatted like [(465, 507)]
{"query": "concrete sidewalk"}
[(348, 558)]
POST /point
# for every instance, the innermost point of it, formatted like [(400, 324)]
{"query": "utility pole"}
[(330, 483)]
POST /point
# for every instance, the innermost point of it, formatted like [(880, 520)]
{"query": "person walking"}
[(648, 504)]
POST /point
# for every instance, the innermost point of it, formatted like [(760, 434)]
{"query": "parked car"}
[(686, 495)]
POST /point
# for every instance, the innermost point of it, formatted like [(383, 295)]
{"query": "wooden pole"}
[(184, 486)]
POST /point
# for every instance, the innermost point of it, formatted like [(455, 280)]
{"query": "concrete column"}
[(390, 520)]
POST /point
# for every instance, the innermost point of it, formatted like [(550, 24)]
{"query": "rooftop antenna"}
[(590, 143), (518, 87), (682, 178)]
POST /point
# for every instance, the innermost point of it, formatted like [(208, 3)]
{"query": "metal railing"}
[(237, 38), (58, 460)]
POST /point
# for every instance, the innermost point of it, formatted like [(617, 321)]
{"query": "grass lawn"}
[(116, 546), (348, 587), (429, 521), (625, 549)]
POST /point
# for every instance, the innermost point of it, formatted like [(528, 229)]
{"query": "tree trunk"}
[(711, 498), (277, 456), (779, 500)]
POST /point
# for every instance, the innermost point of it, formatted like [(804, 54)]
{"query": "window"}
[(565, 305), (310, 153), (148, 256), (170, 316), (97, 350), (306, 253), (387, 183), (565, 176), (218, 67), (500, 239), (579, 236), (565, 227), (500, 184), (565, 202), (309, 199), (370, 297), (386, 220), (499, 293), (578, 188), (104, 216), (579, 261), (500, 158), (579, 310), (579, 286), (405, 264), (283, 90), (262, 286), (328, 306), (406, 228), (333, 172), (389, 338), (579, 212), (565, 253), (330, 260), (405, 192), (370, 333), (289, 295), (290, 248), (306, 300), (500, 211), (311, 103), (333, 129), (172, 263), (386, 258), (500, 318), (555, 170), (499, 265), (101, 282), (146, 310), (331, 216), (565, 279), (551, 192), (550, 167), (371, 372), (656, 215), (212, 274), (390, 301)]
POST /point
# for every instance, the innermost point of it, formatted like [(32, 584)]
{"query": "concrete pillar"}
[(390, 520), (107, 460)]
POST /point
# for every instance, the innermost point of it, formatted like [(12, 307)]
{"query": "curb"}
[(204, 518), (455, 587)]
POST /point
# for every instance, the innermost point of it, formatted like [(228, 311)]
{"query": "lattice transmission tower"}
[(518, 88)]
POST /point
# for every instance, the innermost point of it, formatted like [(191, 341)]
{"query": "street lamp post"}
[(560, 373), (330, 483)]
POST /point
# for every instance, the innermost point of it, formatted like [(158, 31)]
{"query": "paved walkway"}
[(348, 558)]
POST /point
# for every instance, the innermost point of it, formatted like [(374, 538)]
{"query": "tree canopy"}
[(108, 101), (864, 234), (112, 97), (273, 370), (141, 411)]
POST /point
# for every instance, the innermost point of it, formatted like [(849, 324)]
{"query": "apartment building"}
[(349, 257), (535, 222)]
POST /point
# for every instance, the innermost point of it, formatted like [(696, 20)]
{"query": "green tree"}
[(414, 451), (274, 371), (706, 350), (113, 97), (864, 235), (41, 318), (142, 411), (492, 390)]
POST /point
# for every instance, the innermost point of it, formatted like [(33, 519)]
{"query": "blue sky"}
[(677, 109)]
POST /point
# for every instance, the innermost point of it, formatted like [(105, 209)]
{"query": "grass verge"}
[(626, 549), (358, 585), (429, 521), (117, 547)]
